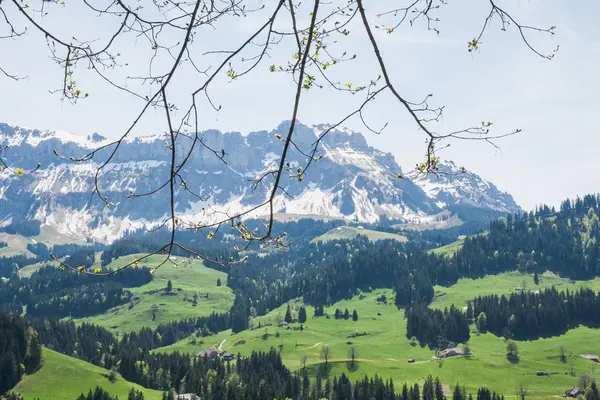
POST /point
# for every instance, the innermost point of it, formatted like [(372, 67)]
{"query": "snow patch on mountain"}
[(352, 181), (452, 185)]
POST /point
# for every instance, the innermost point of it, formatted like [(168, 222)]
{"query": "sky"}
[(555, 103)]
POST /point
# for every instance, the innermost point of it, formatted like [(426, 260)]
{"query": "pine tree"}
[(302, 315), (469, 310), (536, 278), (439, 389), (34, 354), (414, 392), (288, 315), (239, 315), (404, 392), (593, 394), (428, 389), (338, 313), (346, 314), (319, 312), (482, 322), (458, 393), (354, 316), (218, 281), (169, 286)]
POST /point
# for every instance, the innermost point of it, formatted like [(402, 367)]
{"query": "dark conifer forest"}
[(564, 242)]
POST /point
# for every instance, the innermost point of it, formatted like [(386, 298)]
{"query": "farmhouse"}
[(227, 356), (573, 392), (592, 357), (210, 353), (451, 352), (186, 396)]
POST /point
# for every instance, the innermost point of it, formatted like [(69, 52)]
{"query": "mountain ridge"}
[(353, 180)]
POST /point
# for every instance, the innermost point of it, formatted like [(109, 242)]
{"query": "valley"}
[(299, 200), (385, 349), (380, 278)]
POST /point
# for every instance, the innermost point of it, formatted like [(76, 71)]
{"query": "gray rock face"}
[(454, 186), (352, 180)]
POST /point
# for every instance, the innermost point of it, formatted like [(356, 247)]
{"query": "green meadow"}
[(349, 232), (152, 305), (385, 349), (467, 289), (17, 244), (64, 377), (449, 249)]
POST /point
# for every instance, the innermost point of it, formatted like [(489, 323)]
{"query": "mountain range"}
[(352, 180)]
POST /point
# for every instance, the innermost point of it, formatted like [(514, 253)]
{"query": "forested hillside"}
[(50, 292), (564, 242), (319, 275)]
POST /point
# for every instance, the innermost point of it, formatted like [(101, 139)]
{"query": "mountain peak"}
[(17, 136), (453, 186), (351, 181), (96, 137)]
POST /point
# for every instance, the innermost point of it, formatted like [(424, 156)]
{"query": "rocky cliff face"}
[(352, 180), (454, 186)]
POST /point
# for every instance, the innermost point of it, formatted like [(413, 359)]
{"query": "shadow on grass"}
[(323, 370), (352, 366), (513, 358)]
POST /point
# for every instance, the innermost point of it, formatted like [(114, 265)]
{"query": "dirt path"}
[(220, 346), (313, 346)]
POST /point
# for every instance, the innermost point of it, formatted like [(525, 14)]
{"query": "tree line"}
[(97, 345), (530, 315), (432, 326), (79, 255), (51, 292), (100, 394), (260, 375), (563, 241), (20, 350)]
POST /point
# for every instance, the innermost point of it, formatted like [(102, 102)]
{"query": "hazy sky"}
[(555, 102)]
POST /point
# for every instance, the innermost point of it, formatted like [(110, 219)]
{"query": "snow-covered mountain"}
[(352, 181), (454, 186)]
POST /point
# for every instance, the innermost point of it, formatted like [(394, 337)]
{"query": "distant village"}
[(214, 353)]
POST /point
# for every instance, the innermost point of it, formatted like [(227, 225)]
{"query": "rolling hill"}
[(349, 232), (63, 377), (385, 350), (152, 305), (17, 244)]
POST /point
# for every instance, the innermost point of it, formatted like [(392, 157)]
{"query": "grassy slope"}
[(17, 244), (189, 277), (28, 270), (453, 247), (466, 289), (348, 232), (63, 377), (449, 249), (386, 349)]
